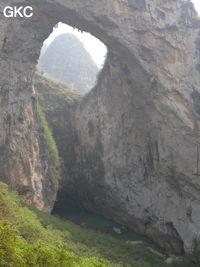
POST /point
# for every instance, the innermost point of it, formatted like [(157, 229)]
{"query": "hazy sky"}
[(197, 5), (95, 47)]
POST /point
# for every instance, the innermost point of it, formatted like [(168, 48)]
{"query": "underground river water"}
[(101, 224)]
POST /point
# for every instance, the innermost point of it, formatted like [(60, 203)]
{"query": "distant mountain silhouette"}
[(67, 60)]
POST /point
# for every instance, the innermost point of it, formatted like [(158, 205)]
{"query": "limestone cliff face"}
[(138, 130), (58, 102)]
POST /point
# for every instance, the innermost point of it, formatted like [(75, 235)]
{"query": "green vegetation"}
[(52, 94), (52, 150), (56, 104), (29, 237), (24, 241)]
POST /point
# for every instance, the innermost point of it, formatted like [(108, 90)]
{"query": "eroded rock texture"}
[(138, 130)]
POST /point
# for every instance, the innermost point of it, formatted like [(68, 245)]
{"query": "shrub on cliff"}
[(50, 143)]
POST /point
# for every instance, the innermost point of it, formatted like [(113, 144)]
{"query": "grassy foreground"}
[(29, 237)]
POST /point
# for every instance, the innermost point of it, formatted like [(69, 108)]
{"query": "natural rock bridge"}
[(138, 129)]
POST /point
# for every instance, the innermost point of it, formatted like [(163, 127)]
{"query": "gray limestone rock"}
[(137, 157)]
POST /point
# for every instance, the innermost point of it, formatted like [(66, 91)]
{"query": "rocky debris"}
[(172, 259), (134, 243), (139, 242), (156, 252), (83, 224), (117, 230)]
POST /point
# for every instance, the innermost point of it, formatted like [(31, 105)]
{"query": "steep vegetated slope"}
[(67, 60), (29, 237)]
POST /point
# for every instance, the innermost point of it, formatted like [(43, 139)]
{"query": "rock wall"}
[(21, 143), (138, 153), (58, 102), (129, 165)]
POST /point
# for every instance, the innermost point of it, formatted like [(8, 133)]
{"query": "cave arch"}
[(142, 107)]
